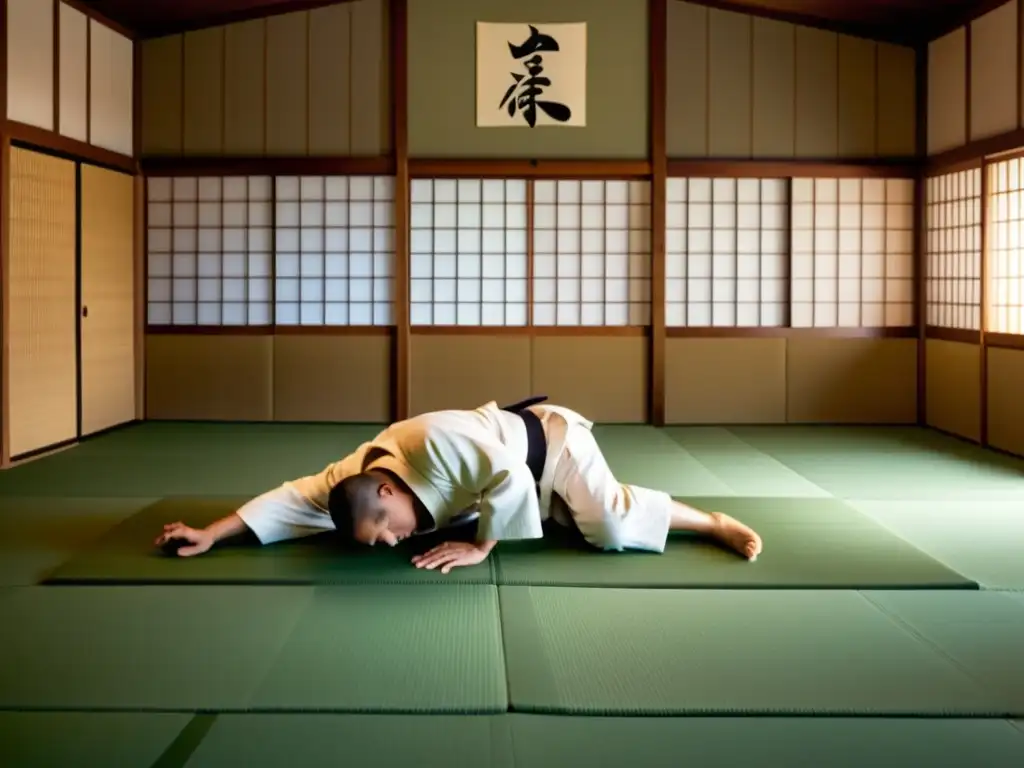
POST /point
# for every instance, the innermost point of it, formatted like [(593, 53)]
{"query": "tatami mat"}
[(162, 648), (375, 649), (86, 739), (702, 652), (126, 555), (809, 543), (980, 539)]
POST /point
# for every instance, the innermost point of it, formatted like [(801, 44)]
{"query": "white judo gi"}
[(466, 464)]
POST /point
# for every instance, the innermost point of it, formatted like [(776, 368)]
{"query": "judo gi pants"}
[(610, 515)]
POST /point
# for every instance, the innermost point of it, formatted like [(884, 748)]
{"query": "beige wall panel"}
[(204, 92), (817, 93), (314, 381), (369, 105), (740, 381), (73, 71), (897, 100), (947, 91), (43, 371), (865, 381), (244, 91), (442, 81), (197, 377), (774, 88), (111, 89), (857, 97), (161, 95), (330, 79), (1005, 405), (604, 378), (994, 40), (287, 85), (108, 292), (953, 387), (730, 84), (466, 371), (686, 80), (30, 75)]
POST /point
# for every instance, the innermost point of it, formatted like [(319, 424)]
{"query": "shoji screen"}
[(334, 250), (209, 243), (727, 252), (852, 252), (1006, 239), (592, 253), (468, 251), (953, 203)]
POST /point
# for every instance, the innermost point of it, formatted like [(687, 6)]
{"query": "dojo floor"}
[(883, 626)]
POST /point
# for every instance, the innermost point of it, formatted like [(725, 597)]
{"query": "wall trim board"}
[(959, 335), (5, 294), (1004, 341), (657, 50), (271, 330), (398, 14), (920, 245), (531, 169), (831, 169), (969, 441), (1002, 146), (783, 332), (71, 149), (302, 165)]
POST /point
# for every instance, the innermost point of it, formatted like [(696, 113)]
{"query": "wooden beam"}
[(92, 13), (5, 288), (920, 232), (907, 167), (21, 133), (657, 46), (400, 146), (298, 165), (219, 18), (428, 168)]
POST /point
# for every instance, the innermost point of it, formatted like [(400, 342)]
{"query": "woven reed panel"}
[(108, 292), (43, 315)]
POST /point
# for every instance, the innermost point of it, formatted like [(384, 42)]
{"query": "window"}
[(467, 252), (1006, 238), (726, 252), (953, 209), (592, 253), (209, 251), (852, 251), (334, 250)]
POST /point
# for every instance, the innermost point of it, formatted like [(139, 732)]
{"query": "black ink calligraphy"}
[(531, 84)]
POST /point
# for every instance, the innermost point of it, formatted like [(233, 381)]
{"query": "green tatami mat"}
[(377, 649), (890, 463), (983, 633), (180, 648), (715, 742), (37, 534), (127, 555), (659, 652), (744, 469), (980, 539), (181, 459), (86, 739), (808, 543), (367, 741)]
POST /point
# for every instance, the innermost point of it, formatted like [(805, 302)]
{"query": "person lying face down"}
[(509, 469)]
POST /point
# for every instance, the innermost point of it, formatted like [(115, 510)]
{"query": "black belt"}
[(536, 442)]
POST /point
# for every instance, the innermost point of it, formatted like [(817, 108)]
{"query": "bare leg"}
[(726, 530)]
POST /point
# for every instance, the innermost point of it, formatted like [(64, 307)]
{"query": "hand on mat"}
[(199, 541), (451, 554)]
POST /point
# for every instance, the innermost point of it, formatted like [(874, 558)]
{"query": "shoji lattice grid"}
[(467, 250), (852, 253), (209, 251), (953, 203), (334, 256), (592, 253), (726, 252), (1006, 240)]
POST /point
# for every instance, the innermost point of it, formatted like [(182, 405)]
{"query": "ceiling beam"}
[(162, 29)]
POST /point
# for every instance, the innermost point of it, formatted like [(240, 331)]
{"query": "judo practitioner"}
[(509, 469)]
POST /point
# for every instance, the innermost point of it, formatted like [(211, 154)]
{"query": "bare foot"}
[(735, 535)]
